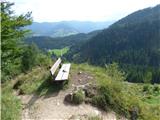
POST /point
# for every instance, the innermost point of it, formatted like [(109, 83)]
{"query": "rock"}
[(74, 117), (88, 100), (79, 72), (79, 80), (90, 90), (90, 77), (23, 107), (68, 98), (58, 103), (96, 112)]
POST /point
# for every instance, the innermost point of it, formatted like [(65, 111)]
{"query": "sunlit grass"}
[(59, 52)]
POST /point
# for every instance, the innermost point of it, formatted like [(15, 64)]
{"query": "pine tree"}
[(12, 33)]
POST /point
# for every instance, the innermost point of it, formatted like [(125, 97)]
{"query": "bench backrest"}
[(55, 66)]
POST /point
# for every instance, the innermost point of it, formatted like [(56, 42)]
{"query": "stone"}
[(79, 72)]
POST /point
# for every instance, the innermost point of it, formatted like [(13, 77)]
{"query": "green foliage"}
[(38, 81), (32, 57), (114, 71), (100, 101), (59, 52), (30, 82), (142, 74), (29, 57), (10, 105), (11, 39), (151, 94), (156, 76), (156, 88), (78, 97), (94, 118)]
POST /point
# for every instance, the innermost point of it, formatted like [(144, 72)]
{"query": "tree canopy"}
[(12, 34)]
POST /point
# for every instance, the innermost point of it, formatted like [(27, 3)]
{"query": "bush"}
[(100, 101), (43, 60), (65, 84), (32, 57), (78, 97), (156, 88), (146, 88), (114, 71), (29, 57)]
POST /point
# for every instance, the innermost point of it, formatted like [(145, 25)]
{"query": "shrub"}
[(78, 97), (100, 101), (65, 84), (114, 71), (29, 57), (156, 88)]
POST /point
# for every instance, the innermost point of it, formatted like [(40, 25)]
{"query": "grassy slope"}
[(34, 81), (11, 105), (122, 95), (133, 88)]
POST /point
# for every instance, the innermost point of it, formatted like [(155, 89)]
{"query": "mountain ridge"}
[(66, 28), (126, 34)]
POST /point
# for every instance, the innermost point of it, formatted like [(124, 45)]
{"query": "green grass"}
[(36, 81), (78, 97), (121, 96), (58, 52), (153, 100), (151, 94), (94, 118), (10, 105)]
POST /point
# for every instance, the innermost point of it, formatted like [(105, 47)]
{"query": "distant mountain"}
[(66, 28), (46, 42)]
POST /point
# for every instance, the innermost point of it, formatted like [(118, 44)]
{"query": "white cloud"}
[(91, 10)]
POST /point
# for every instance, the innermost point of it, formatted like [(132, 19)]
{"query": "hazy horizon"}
[(80, 10)]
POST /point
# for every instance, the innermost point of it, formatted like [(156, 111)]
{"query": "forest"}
[(133, 42)]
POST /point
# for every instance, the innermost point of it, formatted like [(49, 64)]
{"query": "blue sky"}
[(82, 10)]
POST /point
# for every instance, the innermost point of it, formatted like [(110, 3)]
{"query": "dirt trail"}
[(53, 107)]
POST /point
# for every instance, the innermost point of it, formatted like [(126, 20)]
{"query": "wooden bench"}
[(63, 73)]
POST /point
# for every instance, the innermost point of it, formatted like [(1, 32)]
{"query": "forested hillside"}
[(46, 42), (133, 42)]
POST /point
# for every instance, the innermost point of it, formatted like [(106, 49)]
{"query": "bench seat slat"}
[(64, 72)]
